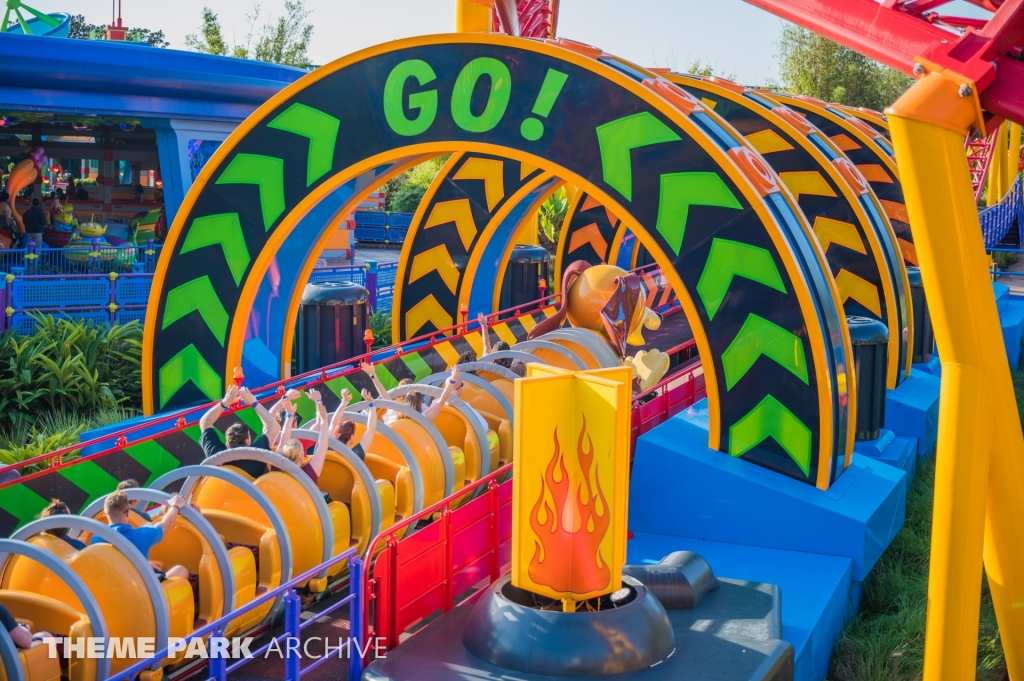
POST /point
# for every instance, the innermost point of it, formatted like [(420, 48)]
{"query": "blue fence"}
[(996, 220), (114, 298), (93, 258), (374, 226)]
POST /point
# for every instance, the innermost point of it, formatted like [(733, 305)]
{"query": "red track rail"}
[(53, 461)]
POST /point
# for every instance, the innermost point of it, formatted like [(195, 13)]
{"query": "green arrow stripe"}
[(728, 259), (200, 295), (322, 131), (757, 337), (188, 365), (265, 171), (88, 476), (153, 458), (249, 417), (21, 502), (336, 385), (679, 191), (770, 419), (222, 230), (417, 365), (619, 137), (387, 379)]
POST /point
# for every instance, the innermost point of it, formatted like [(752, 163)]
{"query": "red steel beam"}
[(893, 33)]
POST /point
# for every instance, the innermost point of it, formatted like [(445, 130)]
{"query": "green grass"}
[(894, 602)]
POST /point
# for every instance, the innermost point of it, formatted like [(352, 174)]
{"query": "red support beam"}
[(895, 32)]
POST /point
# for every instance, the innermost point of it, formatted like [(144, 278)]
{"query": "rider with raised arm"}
[(292, 448), (345, 429), (239, 434)]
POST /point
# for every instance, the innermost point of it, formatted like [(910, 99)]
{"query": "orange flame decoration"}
[(567, 556)]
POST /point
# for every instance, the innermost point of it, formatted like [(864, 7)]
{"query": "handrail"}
[(217, 627), (264, 393)]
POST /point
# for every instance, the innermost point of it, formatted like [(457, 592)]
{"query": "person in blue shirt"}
[(117, 507)]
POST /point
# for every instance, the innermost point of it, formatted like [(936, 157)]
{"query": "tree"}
[(210, 40), (281, 41), (404, 193), (82, 30), (812, 65)]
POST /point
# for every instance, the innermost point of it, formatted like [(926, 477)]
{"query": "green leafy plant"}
[(1003, 259), (53, 430), (550, 217), (404, 193), (69, 365), (380, 324)]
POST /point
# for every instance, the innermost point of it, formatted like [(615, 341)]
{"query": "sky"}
[(735, 38)]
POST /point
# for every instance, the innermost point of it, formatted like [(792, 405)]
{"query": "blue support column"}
[(172, 139)]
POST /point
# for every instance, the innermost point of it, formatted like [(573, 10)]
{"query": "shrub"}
[(380, 324), (70, 366)]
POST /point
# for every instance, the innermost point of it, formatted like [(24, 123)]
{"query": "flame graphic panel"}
[(571, 483)]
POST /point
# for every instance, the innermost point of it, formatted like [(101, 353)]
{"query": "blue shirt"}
[(142, 538)]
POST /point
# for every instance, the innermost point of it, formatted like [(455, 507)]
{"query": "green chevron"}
[(222, 230), (387, 379), (728, 259), (265, 171), (188, 365), (679, 191), (618, 138), (89, 477), (322, 131), (21, 502), (757, 337), (770, 419), (336, 385), (416, 364), (153, 458), (197, 294)]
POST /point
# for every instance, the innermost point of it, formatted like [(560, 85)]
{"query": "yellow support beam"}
[(473, 16), (997, 168), (979, 479)]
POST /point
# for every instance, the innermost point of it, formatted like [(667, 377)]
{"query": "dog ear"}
[(556, 320), (617, 312)]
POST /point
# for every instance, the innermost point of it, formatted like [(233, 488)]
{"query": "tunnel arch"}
[(625, 135)]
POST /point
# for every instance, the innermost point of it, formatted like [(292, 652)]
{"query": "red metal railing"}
[(677, 392), (439, 566), (53, 461)]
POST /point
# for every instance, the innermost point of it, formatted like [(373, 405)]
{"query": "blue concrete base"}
[(912, 410), (682, 488), (900, 452), (817, 590), (1011, 319), (933, 366)]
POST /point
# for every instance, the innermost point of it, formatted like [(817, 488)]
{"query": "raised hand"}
[(247, 396), (293, 394), (313, 394), (366, 395), (231, 396), (368, 369)]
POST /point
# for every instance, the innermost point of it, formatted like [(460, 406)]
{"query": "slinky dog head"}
[(605, 299)]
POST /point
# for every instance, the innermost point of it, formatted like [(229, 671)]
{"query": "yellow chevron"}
[(831, 231), (527, 321), (457, 211), (806, 182), (436, 258), (768, 141), (491, 171), (525, 169), (447, 352), (475, 342), (861, 290), (427, 310), (505, 333), (709, 103)]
